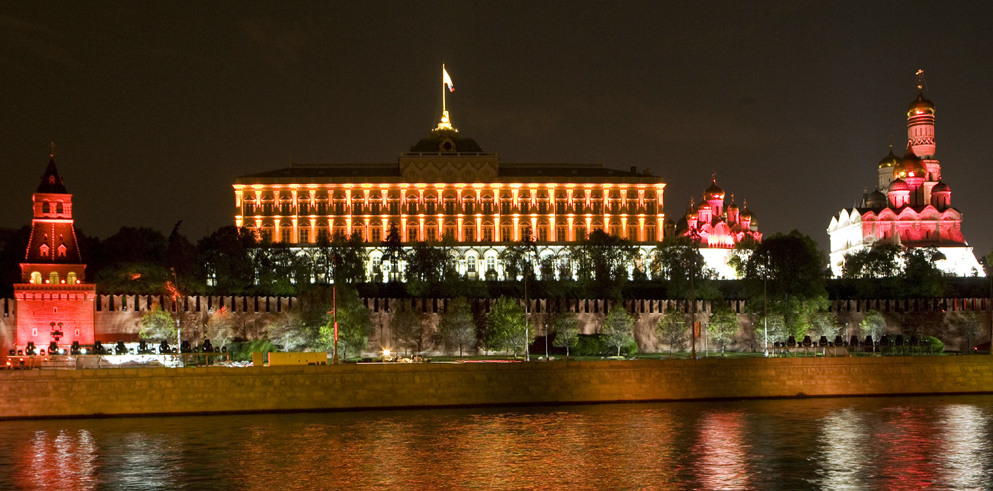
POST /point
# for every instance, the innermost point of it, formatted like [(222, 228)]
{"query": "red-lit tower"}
[(52, 295)]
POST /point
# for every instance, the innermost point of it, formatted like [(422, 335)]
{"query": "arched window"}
[(58, 207), (470, 264), (35, 278), (71, 278), (53, 278), (45, 208)]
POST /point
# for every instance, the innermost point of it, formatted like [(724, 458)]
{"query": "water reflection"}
[(832, 444), (843, 455), (722, 452)]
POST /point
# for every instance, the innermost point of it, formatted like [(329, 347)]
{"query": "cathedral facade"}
[(717, 230), (446, 185), (911, 206)]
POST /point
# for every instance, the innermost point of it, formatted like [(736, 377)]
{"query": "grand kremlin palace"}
[(446, 185)]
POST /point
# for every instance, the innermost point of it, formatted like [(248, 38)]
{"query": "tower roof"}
[(890, 160), (920, 106), (51, 181), (713, 192)]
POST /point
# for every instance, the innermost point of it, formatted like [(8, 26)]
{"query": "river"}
[(939, 442)]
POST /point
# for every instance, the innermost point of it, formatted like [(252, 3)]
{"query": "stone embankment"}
[(175, 391)]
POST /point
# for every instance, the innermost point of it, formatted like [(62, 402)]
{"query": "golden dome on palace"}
[(920, 106), (890, 160), (713, 192), (911, 166)]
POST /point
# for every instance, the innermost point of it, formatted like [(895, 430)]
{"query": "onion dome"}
[(876, 199), (899, 185), (732, 207), (745, 214), (713, 192), (920, 106), (941, 188), (890, 160), (910, 166), (691, 211)]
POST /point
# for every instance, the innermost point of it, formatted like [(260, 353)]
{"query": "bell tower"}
[(54, 304)]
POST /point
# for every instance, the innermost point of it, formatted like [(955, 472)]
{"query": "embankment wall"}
[(81, 393)]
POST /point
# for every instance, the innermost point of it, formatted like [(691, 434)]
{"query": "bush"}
[(243, 351), (591, 345), (936, 345)]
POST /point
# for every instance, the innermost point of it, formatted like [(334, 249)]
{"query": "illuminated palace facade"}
[(717, 229), (446, 185), (911, 206)]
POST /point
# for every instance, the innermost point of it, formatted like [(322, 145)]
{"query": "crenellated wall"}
[(117, 317)]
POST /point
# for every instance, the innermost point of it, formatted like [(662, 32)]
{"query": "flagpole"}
[(443, 107)]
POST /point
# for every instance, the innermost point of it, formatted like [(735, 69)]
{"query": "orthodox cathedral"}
[(911, 206), (717, 230)]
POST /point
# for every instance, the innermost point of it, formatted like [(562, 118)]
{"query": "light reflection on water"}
[(882, 443)]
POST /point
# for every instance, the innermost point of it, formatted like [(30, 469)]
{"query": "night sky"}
[(155, 109)]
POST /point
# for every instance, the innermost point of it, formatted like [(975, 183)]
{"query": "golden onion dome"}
[(713, 192), (910, 167), (920, 106), (890, 160), (732, 207)]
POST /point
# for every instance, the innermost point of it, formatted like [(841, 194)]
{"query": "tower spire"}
[(920, 80)]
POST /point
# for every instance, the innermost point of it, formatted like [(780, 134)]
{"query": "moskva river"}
[(851, 443)]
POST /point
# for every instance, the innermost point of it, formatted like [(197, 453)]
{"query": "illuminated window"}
[(71, 278), (45, 208), (487, 234), (470, 264), (468, 233), (304, 235), (374, 234), (543, 233), (411, 233), (506, 234), (53, 277), (490, 263), (35, 278), (432, 233), (560, 234)]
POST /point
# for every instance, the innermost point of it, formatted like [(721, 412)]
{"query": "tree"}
[(874, 324), (968, 326), (678, 261), (407, 327), (566, 326), (157, 324), (507, 326), (618, 327), (723, 325), (457, 328), (426, 265), (825, 324), (289, 332), (795, 270), (393, 251), (354, 323), (225, 262), (672, 330), (220, 328), (602, 262), (519, 258), (921, 277), (879, 261)]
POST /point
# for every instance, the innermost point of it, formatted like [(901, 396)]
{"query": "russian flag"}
[(445, 79)]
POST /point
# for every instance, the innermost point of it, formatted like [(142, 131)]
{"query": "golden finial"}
[(54, 152), (920, 80), (445, 124)]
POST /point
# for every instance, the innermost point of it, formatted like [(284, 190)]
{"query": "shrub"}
[(243, 351), (591, 345), (936, 345)]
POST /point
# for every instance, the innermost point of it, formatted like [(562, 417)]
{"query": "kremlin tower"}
[(911, 206), (53, 303), (718, 229)]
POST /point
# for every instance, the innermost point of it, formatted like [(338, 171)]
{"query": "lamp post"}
[(527, 308), (765, 307)]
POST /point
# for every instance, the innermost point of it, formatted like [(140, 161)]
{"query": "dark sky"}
[(156, 108)]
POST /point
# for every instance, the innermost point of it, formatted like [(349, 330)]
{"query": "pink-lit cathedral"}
[(911, 206), (718, 229)]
